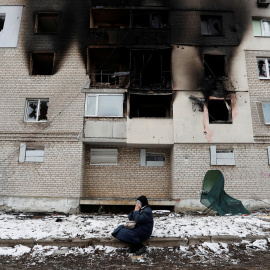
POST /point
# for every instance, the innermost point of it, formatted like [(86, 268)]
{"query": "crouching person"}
[(143, 217)]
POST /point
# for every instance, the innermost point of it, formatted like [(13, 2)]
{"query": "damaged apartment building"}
[(103, 101)]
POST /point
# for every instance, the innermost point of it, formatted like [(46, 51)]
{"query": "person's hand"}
[(137, 207)]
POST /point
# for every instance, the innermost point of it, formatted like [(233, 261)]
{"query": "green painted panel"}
[(257, 30)]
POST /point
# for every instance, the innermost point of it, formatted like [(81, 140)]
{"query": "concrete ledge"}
[(152, 242)]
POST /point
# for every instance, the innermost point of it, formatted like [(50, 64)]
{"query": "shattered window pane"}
[(263, 67), (219, 111), (31, 114), (36, 110), (2, 21)]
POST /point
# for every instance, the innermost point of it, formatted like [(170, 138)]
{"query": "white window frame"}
[(96, 114), (262, 28), (38, 109), (264, 113), (30, 154), (145, 163), (267, 65), (103, 157), (222, 156)]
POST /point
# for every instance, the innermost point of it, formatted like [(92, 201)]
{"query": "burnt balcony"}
[(145, 3)]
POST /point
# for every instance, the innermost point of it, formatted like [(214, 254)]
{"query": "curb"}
[(152, 242)]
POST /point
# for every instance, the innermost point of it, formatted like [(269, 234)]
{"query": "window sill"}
[(264, 78)]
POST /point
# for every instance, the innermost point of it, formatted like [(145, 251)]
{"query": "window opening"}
[(222, 156), (102, 105), (263, 67), (108, 67), (214, 65), (211, 25), (149, 19), (2, 21), (151, 69), (31, 154), (42, 63), (219, 111), (36, 110), (150, 105), (47, 22), (151, 159), (110, 18)]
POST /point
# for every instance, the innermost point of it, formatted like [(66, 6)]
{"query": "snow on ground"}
[(99, 226)]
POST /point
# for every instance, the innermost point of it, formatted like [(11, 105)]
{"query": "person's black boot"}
[(141, 250)]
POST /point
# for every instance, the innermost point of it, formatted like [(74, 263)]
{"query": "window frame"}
[(38, 110), (97, 105), (35, 154), (258, 29), (267, 65), (264, 114), (145, 163), (222, 157), (111, 152)]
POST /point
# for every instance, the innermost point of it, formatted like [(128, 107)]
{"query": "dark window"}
[(211, 25), (214, 65), (149, 19), (47, 22), (154, 157), (42, 63), (2, 21), (151, 69), (150, 105), (219, 111)]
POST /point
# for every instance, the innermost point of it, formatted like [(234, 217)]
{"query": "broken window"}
[(149, 19), (36, 110), (108, 67), (151, 159), (110, 18), (42, 63), (47, 22), (142, 105), (214, 66), (104, 105), (266, 112), (219, 111), (263, 67), (31, 154), (151, 69), (2, 21), (103, 156), (222, 156), (211, 25), (261, 27)]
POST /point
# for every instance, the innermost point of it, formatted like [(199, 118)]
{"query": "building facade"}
[(109, 100)]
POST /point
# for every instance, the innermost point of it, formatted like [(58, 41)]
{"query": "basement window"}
[(214, 66), (211, 25), (31, 154), (47, 22), (36, 110), (219, 111), (2, 21), (104, 105), (222, 156), (151, 69), (103, 156), (142, 105), (151, 159), (42, 63), (263, 68), (149, 19), (261, 27)]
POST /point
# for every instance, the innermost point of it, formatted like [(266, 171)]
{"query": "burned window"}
[(149, 19), (151, 69), (42, 63), (2, 21), (263, 68), (150, 105), (214, 66), (46, 22), (108, 67), (211, 25), (219, 111), (36, 110), (110, 18)]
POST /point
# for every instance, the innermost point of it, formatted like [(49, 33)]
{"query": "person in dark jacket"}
[(143, 217)]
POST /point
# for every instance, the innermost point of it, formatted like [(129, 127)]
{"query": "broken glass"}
[(31, 114), (43, 110), (2, 21)]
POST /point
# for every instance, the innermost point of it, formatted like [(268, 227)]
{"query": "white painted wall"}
[(10, 33)]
